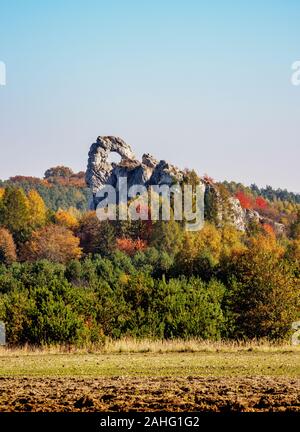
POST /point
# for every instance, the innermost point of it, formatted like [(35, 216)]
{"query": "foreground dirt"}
[(150, 394)]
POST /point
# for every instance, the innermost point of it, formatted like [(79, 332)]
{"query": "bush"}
[(263, 296), (189, 308)]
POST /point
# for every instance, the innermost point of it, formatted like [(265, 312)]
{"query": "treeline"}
[(60, 188), (268, 192), (255, 295), (66, 277)]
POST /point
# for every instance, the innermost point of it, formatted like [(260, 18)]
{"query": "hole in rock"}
[(114, 157)]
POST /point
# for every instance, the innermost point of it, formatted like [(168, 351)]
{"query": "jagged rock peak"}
[(149, 160), (99, 168), (101, 172)]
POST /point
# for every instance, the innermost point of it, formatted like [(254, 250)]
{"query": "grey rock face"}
[(254, 216), (165, 174), (101, 172), (99, 169), (237, 214)]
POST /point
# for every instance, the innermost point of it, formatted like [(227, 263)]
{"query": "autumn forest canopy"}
[(66, 277)]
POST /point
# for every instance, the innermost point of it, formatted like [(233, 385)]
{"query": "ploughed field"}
[(237, 380)]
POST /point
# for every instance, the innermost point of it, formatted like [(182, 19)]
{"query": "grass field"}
[(152, 364), (129, 375)]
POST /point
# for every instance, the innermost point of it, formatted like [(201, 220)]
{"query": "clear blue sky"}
[(205, 85)]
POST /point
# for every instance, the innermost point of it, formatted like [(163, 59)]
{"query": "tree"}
[(293, 254), (96, 237), (295, 227), (261, 203), (59, 171), (54, 243), (232, 241), (66, 219), (130, 246), (200, 252), (37, 209), (209, 239), (167, 236), (7, 247), (107, 240), (190, 177), (188, 308), (15, 214), (88, 231), (263, 295), (245, 200)]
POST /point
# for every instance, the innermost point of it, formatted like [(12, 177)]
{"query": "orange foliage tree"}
[(66, 218), (54, 243), (268, 229), (7, 247), (264, 291)]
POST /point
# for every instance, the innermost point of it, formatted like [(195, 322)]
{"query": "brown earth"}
[(150, 394)]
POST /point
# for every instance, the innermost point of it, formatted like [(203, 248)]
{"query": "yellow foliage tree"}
[(66, 218), (293, 251), (206, 243), (232, 241), (209, 240), (266, 243), (187, 254), (37, 209)]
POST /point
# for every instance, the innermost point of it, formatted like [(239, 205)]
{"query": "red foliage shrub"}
[(129, 246), (261, 203), (246, 201)]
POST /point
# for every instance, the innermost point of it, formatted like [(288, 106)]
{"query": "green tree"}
[(15, 214), (167, 236)]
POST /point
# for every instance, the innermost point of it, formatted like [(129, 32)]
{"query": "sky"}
[(203, 84)]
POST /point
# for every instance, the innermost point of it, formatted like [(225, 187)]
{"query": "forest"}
[(67, 278)]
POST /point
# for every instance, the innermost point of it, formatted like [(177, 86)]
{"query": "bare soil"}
[(150, 394)]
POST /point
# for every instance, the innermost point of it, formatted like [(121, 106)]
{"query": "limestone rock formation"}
[(237, 214), (254, 216), (101, 172), (99, 169)]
